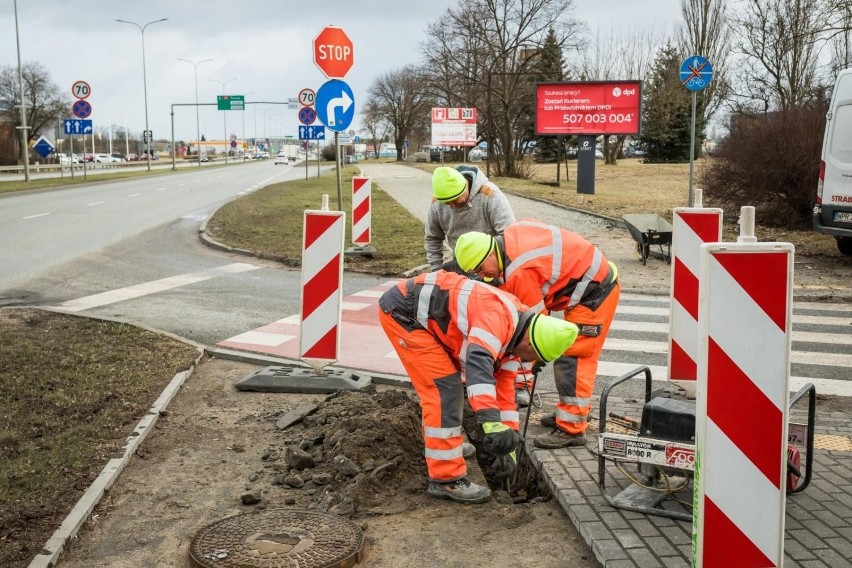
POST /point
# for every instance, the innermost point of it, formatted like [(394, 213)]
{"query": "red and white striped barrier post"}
[(692, 227), (322, 295), (361, 210), (744, 318)]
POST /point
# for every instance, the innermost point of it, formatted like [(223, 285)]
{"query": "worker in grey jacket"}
[(463, 200)]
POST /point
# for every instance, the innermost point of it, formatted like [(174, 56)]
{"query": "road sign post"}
[(695, 74)]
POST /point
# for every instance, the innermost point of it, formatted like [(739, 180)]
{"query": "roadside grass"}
[(79, 178), (269, 223), (71, 390), (632, 186)]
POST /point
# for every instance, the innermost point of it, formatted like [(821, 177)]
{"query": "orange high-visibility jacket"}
[(477, 324), (550, 268)]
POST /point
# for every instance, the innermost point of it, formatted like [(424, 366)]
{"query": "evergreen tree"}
[(549, 68), (667, 111)]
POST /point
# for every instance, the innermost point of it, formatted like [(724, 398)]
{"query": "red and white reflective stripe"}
[(322, 274), (745, 315), (361, 204), (692, 227)]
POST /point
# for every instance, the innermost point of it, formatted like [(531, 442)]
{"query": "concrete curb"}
[(54, 546)]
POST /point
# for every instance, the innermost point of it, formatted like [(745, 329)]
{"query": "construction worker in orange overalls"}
[(552, 269), (441, 324)]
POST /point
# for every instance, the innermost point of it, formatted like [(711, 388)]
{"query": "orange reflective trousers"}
[(575, 371)]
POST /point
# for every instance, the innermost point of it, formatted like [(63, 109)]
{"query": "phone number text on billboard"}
[(604, 107)]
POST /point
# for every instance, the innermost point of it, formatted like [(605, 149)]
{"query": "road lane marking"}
[(161, 189), (96, 203), (146, 288), (36, 215), (134, 195)]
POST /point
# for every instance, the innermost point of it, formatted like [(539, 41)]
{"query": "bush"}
[(770, 161)]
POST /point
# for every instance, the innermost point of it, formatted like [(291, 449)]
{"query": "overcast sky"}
[(265, 46)]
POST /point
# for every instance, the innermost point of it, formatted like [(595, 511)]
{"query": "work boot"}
[(522, 398), (468, 450), (559, 439), (548, 420), (461, 490)]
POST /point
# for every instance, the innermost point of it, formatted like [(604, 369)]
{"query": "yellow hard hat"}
[(472, 249), (551, 337), (447, 184)]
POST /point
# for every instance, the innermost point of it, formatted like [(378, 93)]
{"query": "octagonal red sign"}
[(333, 52)]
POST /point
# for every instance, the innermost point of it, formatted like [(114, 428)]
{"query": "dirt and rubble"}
[(218, 451)]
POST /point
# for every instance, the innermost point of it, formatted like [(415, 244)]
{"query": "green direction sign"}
[(231, 102)]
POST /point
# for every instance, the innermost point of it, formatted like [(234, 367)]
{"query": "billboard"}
[(453, 126), (588, 107)]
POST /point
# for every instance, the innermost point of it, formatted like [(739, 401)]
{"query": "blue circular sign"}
[(307, 115), (82, 109), (335, 105), (696, 73)]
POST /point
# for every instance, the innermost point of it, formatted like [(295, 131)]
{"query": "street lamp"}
[(147, 135), (224, 116), (25, 149), (197, 122)]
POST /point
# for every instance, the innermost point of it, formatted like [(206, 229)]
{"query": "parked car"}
[(77, 159), (350, 159), (132, 157), (282, 159), (832, 213), (117, 157), (103, 159), (203, 158), (476, 155), (144, 157)]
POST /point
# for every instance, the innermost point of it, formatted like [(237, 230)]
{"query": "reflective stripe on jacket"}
[(550, 268), (476, 323)]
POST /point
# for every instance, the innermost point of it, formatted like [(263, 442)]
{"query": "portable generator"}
[(662, 445)]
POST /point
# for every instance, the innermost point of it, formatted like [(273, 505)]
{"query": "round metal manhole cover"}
[(279, 538)]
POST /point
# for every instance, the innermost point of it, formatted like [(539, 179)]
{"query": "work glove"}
[(537, 367), (504, 466), (499, 438)]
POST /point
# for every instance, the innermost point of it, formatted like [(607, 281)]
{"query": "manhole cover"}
[(278, 538)]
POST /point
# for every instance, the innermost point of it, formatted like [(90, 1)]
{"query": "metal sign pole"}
[(692, 150), (337, 165)]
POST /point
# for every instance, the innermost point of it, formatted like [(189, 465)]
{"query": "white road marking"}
[(134, 195), (353, 306), (130, 292), (161, 189), (36, 215), (96, 203), (262, 338), (369, 293)]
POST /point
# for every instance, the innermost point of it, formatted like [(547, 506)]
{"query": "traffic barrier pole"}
[(322, 276), (361, 210), (691, 227), (744, 320)]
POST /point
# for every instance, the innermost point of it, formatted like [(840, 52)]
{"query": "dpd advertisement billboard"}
[(589, 107)]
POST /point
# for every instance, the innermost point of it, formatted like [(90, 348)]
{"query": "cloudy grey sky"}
[(265, 46)]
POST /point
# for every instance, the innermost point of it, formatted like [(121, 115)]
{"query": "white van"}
[(833, 209)]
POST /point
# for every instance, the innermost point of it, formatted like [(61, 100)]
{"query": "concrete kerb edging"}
[(109, 474)]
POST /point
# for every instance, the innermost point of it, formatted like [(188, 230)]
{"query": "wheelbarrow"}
[(649, 229)]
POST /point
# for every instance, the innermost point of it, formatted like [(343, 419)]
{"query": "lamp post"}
[(224, 116), (146, 136), (24, 138), (195, 65)]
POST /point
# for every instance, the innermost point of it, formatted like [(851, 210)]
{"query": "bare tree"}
[(615, 56), (44, 102), (481, 53), (705, 31), (841, 39), (779, 40), (375, 124), (400, 98)]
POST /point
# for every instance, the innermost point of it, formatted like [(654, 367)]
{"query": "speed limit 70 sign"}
[(307, 97), (81, 89)]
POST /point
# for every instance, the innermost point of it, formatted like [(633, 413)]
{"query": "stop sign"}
[(333, 52)]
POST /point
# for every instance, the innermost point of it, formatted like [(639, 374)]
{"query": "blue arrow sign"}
[(335, 105), (77, 126), (696, 73), (43, 147), (312, 133)]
